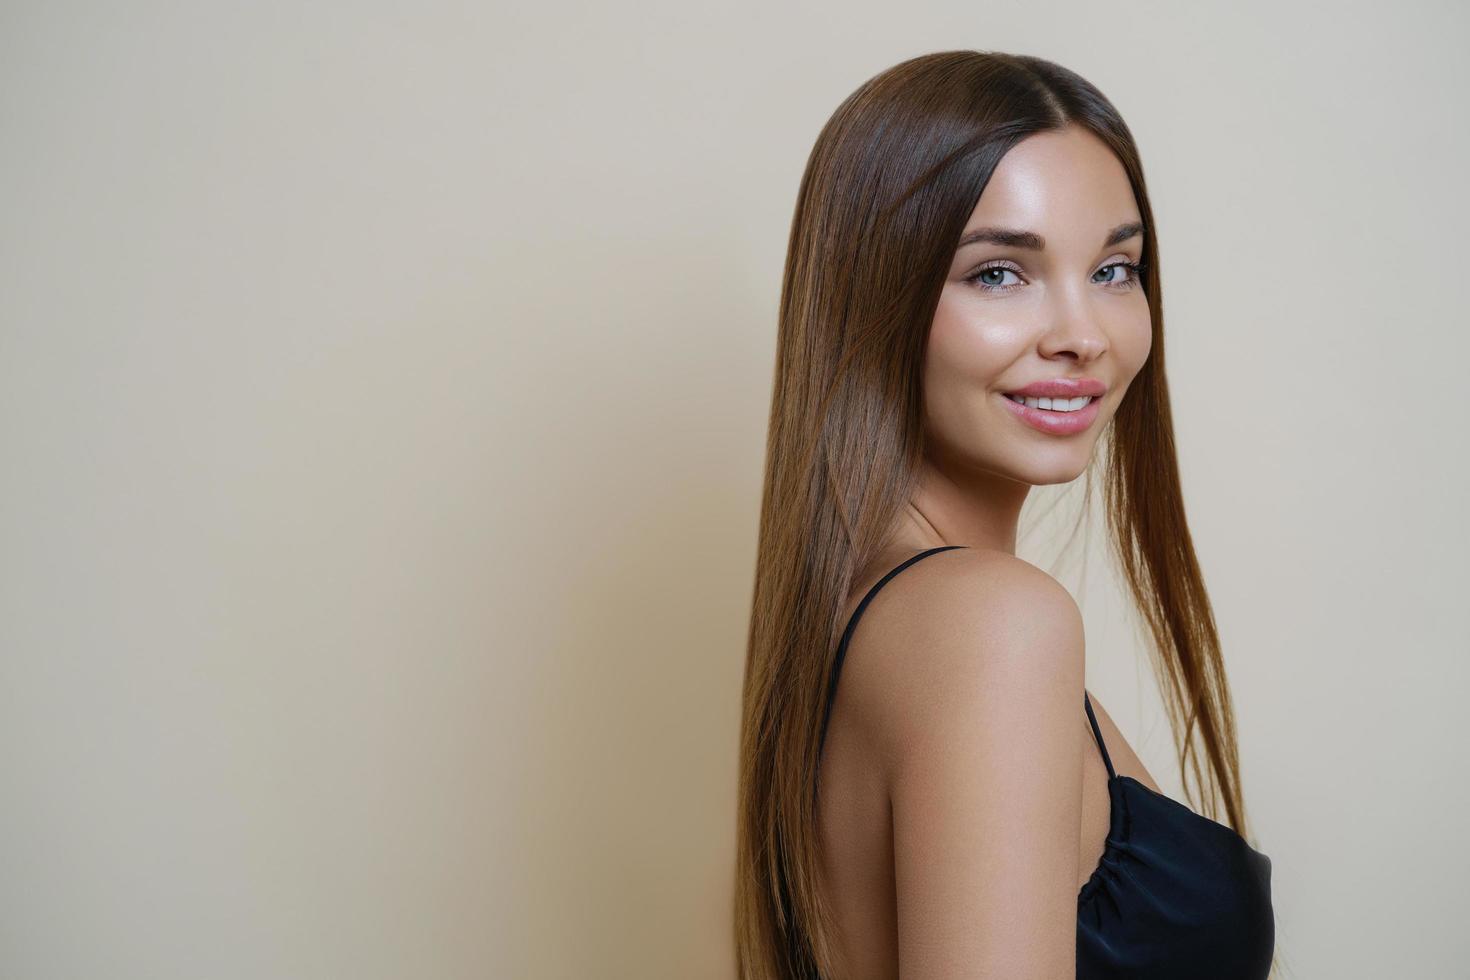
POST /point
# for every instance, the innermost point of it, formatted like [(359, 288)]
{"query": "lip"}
[(1054, 423), (1062, 388)]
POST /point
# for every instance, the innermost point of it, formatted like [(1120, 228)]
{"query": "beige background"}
[(382, 402)]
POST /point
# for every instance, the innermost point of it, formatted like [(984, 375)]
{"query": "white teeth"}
[(1054, 404)]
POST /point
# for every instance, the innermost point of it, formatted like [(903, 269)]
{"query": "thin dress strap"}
[(1098, 734), (852, 624)]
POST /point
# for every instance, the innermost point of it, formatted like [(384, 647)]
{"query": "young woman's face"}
[(1056, 303)]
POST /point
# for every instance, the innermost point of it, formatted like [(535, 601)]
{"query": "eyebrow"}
[(1014, 238)]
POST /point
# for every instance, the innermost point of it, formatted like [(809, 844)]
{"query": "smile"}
[(1054, 404), (1055, 416)]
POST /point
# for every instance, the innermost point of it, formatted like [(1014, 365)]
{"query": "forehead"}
[(1065, 184)]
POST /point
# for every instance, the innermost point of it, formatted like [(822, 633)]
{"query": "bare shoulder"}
[(973, 683), (957, 625)]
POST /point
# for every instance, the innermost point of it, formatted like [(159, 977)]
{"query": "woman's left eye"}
[(1134, 267)]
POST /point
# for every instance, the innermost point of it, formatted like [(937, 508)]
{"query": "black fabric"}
[(1175, 894)]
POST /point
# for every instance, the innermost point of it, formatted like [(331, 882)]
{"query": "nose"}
[(1075, 331)]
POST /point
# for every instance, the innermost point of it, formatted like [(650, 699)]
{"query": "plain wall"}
[(383, 392)]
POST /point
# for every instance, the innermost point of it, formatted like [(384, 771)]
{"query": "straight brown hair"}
[(894, 175)]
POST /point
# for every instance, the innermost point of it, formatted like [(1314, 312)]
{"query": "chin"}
[(1057, 479), (1049, 472)]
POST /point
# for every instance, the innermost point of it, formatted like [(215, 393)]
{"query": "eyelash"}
[(1137, 268)]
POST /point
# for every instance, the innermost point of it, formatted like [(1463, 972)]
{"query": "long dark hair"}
[(889, 185)]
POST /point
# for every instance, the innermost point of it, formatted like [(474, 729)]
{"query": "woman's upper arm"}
[(978, 736)]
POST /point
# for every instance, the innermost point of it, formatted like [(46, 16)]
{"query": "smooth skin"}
[(964, 802)]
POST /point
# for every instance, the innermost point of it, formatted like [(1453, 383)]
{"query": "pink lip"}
[(1061, 388), (1055, 423)]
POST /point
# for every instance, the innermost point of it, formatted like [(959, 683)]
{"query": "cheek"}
[(1133, 343), (966, 345)]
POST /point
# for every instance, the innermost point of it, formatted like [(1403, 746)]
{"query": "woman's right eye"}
[(991, 278)]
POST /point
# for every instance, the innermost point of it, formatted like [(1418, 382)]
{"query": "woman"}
[(971, 300)]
